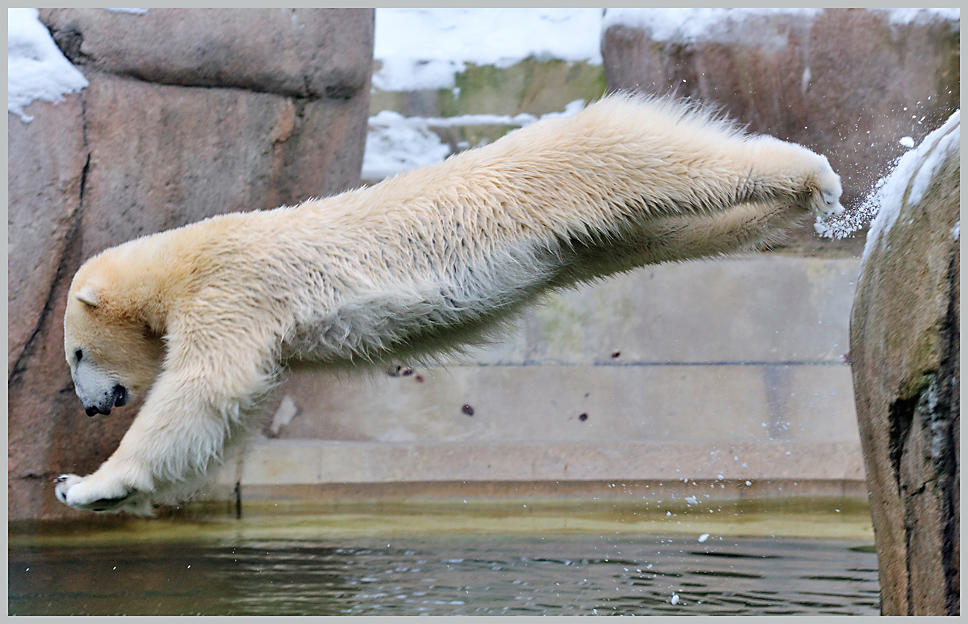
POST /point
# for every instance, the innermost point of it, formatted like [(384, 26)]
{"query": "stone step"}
[(695, 473)]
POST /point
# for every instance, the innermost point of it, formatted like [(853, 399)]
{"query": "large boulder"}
[(297, 52), (847, 83), (188, 114), (904, 349)]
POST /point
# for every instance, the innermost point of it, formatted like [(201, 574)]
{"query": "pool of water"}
[(243, 568)]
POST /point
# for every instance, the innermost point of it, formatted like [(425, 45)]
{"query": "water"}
[(443, 574)]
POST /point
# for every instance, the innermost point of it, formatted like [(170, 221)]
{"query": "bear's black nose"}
[(91, 411), (120, 395)]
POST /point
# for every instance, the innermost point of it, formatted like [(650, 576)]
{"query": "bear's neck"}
[(147, 282)]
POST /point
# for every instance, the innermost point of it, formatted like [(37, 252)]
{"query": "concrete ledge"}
[(317, 461), (308, 470)]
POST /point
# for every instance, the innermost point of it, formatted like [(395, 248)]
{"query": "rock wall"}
[(904, 348), (189, 113), (848, 83)]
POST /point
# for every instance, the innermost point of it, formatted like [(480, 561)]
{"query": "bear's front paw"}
[(93, 494), (825, 191)]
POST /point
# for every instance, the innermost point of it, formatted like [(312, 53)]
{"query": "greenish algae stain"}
[(821, 518), (529, 86)]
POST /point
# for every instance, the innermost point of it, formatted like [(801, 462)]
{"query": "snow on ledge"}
[(36, 69), (426, 48), (707, 24), (900, 17), (690, 24), (131, 11)]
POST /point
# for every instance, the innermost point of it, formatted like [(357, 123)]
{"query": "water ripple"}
[(447, 575)]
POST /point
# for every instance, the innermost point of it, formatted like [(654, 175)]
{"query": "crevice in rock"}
[(947, 465), (900, 417), (67, 263), (337, 91), (84, 172), (69, 41)]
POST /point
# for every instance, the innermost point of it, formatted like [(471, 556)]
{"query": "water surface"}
[(445, 574)]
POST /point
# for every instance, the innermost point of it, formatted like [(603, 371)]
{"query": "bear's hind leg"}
[(742, 228)]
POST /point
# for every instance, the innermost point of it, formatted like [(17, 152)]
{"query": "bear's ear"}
[(89, 295)]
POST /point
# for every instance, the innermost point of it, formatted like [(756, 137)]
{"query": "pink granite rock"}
[(296, 52)]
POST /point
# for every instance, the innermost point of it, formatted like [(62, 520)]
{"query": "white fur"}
[(421, 264)]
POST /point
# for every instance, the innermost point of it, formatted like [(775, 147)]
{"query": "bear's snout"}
[(117, 398)]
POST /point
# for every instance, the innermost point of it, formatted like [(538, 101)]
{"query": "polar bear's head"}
[(112, 352)]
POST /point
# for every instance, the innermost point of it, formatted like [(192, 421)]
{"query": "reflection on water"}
[(447, 575)]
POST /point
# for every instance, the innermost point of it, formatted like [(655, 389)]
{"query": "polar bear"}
[(207, 317)]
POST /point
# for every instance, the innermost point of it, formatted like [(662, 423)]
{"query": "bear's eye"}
[(78, 354)]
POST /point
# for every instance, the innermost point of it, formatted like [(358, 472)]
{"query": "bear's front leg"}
[(181, 433)]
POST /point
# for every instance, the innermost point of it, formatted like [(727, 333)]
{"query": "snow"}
[(689, 24), (906, 184), (900, 17), (36, 69), (426, 48), (913, 169), (395, 143)]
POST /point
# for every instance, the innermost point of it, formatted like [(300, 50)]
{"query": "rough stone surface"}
[(271, 117), (37, 239), (294, 52), (904, 346), (208, 151), (847, 83)]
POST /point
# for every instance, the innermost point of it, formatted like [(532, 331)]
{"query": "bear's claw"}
[(829, 188), (80, 493)]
